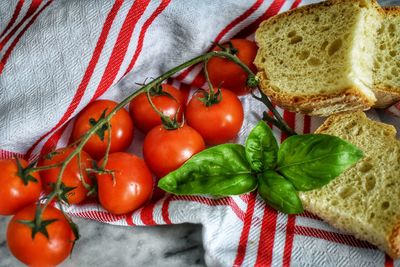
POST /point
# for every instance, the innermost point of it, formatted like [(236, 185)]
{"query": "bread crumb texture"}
[(387, 60), (365, 200)]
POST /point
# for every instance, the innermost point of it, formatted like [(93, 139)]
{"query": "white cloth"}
[(57, 56)]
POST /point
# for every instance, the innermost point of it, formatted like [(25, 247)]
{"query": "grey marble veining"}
[(118, 246)]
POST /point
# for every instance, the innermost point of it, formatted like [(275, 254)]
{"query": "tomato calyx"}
[(158, 91), (229, 49), (170, 124), (24, 173), (252, 81), (101, 131), (37, 224), (63, 191), (210, 97), (167, 122), (99, 170)]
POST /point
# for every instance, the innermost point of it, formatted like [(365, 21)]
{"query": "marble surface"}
[(103, 245), (117, 246)]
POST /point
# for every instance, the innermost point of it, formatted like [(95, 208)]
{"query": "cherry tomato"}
[(132, 185), (166, 150), (229, 75), (144, 116), (14, 193), (121, 128), (72, 175), (40, 250), (219, 122)]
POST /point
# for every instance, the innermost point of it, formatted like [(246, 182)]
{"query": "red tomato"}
[(219, 122), (132, 187), (144, 116), (166, 150), (14, 194), (121, 128), (40, 250), (229, 75), (71, 176)]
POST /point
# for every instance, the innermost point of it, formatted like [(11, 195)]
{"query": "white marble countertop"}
[(103, 245), (118, 246)]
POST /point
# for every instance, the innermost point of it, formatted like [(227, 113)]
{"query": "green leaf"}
[(279, 193), (101, 131), (220, 171), (313, 160), (261, 148)]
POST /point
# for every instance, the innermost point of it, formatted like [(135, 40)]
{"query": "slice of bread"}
[(364, 200), (318, 59), (387, 59)]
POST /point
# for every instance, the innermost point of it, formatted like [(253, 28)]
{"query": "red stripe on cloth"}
[(307, 124), (88, 73), (129, 219), (290, 118), (97, 215), (121, 46), (287, 256), (16, 40), (14, 17), (307, 214), (245, 198), (32, 8), (146, 214), (266, 243), (244, 236), (224, 31), (5, 154), (332, 237), (143, 31), (226, 201), (185, 90), (165, 210), (272, 10), (388, 261), (236, 209), (239, 19), (53, 140), (295, 4)]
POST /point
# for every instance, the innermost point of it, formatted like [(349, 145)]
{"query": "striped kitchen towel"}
[(56, 56)]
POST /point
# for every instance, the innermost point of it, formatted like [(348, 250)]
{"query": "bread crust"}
[(391, 241), (350, 99), (387, 95), (394, 241), (392, 10), (307, 8)]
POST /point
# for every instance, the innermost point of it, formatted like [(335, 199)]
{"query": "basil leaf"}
[(313, 160), (261, 148), (279, 193), (220, 171)]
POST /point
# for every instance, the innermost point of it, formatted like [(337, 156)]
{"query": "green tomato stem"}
[(84, 139)]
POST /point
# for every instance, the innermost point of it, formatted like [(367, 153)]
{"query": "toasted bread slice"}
[(387, 59), (364, 200), (318, 59)]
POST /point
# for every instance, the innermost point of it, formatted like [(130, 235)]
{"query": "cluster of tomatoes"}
[(123, 181)]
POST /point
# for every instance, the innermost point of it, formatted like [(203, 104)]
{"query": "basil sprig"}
[(220, 171), (301, 163)]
